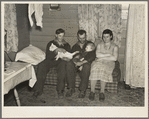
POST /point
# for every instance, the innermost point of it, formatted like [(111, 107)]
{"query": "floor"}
[(124, 97)]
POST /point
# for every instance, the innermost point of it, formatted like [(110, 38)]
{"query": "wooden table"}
[(20, 72)]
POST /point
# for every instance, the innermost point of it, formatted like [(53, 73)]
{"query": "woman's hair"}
[(107, 31), (58, 31), (81, 32)]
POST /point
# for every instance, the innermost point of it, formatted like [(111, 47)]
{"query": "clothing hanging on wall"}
[(135, 47), (38, 10)]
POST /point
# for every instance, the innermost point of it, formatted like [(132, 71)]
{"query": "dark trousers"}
[(84, 75), (43, 69)]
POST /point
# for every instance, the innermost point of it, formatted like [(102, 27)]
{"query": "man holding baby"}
[(66, 67), (72, 66), (50, 61)]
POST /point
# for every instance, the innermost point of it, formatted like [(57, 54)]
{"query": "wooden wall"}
[(67, 19), (22, 26)]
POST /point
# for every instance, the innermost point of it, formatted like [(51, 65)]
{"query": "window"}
[(124, 11)]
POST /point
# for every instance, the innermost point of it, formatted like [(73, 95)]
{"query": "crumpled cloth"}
[(38, 9)]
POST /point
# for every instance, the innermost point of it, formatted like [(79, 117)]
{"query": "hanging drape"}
[(135, 47), (10, 26), (94, 18), (38, 10)]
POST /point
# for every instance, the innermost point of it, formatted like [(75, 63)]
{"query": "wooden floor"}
[(132, 97)]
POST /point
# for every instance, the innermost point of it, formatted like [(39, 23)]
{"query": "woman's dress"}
[(102, 69)]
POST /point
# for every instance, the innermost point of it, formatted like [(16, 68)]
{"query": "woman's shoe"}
[(92, 96), (101, 97)]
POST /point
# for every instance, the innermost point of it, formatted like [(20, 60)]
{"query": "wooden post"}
[(17, 97)]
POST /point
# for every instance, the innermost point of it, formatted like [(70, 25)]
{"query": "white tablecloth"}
[(21, 72)]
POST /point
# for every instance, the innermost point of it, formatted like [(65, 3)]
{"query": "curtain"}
[(135, 47), (94, 18), (88, 20), (10, 26)]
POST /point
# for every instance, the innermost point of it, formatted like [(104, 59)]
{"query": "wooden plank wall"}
[(67, 19), (22, 26)]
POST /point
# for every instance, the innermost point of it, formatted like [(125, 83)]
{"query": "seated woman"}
[(102, 67)]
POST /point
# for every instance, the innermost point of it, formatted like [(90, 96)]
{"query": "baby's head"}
[(90, 47)]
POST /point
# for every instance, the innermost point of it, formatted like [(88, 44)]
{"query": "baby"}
[(61, 54), (81, 56)]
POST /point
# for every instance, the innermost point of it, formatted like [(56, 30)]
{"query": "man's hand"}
[(66, 59), (76, 52), (78, 63), (60, 50)]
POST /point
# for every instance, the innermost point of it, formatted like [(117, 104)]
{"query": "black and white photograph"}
[(74, 59)]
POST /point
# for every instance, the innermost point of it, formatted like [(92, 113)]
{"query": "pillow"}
[(31, 54)]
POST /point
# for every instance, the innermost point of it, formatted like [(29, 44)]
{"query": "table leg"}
[(17, 97)]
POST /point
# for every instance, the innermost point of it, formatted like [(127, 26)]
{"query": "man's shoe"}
[(92, 96), (101, 97), (70, 92), (81, 94), (60, 94), (36, 94)]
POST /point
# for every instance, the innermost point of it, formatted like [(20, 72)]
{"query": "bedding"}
[(30, 54)]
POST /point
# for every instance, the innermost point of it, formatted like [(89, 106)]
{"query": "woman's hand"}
[(102, 55), (98, 59)]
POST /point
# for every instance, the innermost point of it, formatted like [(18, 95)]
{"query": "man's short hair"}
[(81, 32), (107, 31), (58, 31)]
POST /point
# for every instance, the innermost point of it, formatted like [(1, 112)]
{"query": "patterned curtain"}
[(94, 18), (88, 20), (10, 26), (135, 47)]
